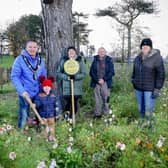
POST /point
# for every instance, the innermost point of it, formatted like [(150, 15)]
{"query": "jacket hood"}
[(152, 52), (28, 56)]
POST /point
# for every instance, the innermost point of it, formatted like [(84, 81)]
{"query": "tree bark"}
[(129, 43), (57, 20)]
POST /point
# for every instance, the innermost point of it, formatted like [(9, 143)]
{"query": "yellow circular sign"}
[(71, 67)]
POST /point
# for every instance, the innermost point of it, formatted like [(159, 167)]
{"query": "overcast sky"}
[(102, 34)]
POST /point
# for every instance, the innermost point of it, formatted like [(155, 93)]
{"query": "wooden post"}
[(34, 109), (73, 106)]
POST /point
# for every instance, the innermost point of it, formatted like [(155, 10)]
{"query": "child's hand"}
[(34, 105), (44, 121)]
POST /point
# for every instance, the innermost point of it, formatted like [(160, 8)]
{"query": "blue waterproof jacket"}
[(22, 76), (48, 105), (109, 71)]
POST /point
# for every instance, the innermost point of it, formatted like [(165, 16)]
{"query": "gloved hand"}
[(155, 93), (72, 77)]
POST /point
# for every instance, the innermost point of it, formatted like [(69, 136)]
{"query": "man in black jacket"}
[(101, 73), (148, 78)]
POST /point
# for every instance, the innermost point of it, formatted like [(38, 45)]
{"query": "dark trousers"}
[(68, 104)]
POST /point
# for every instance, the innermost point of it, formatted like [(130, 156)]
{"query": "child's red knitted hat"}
[(47, 82)]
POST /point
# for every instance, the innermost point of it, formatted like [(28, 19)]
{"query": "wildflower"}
[(70, 120), (110, 119), (70, 129), (71, 139), (151, 153), (162, 149), (25, 132), (30, 120), (164, 105), (70, 144), (110, 111), (160, 141), (9, 127), (159, 144), (118, 144), (34, 122), (29, 138), (113, 116), (91, 125), (55, 146), (158, 160), (41, 165), (51, 138), (105, 120), (1, 130), (12, 155), (121, 146), (53, 164), (136, 122), (69, 149)]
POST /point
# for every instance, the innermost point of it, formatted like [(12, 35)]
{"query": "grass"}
[(6, 61), (94, 140)]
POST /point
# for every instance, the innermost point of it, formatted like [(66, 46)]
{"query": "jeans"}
[(145, 102), (23, 112)]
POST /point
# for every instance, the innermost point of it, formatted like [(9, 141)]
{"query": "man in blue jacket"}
[(101, 72), (26, 69)]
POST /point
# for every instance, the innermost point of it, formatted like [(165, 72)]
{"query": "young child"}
[(49, 106)]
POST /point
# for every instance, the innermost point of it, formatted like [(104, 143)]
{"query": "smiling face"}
[(101, 52), (32, 48), (71, 53), (47, 89)]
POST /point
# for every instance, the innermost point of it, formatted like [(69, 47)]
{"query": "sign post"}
[(71, 67)]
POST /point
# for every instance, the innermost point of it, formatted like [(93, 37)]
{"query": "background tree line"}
[(31, 27), (57, 27)]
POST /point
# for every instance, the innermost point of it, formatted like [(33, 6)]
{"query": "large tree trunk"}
[(57, 20), (123, 46), (129, 44)]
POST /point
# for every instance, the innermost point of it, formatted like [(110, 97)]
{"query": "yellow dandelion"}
[(162, 149)]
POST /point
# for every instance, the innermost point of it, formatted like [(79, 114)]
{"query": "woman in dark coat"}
[(147, 78), (65, 80)]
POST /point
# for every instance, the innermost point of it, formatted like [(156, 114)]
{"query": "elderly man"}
[(101, 72)]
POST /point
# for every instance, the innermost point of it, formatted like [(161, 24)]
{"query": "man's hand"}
[(72, 77), (34, 105), (25, 94), (101, 81)]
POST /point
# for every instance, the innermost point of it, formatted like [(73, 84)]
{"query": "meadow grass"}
[(6, 61), (93, 142)]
